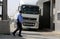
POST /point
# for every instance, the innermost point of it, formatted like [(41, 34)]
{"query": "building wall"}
[(12, 7), (57, 17), (40, 4)]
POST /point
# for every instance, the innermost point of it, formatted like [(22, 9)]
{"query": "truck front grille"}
[(26, 18), (28, 24), (29, 21)]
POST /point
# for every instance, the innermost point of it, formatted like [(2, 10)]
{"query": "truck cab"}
[(31, 15)]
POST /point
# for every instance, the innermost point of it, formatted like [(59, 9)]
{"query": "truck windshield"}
[(30, 9)]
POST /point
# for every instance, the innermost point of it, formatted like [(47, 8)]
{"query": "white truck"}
[(31, 15)]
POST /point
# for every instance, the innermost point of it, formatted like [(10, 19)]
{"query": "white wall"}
[(31, 2), (57, 22), (12, 7)]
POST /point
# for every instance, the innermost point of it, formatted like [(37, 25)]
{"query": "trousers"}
[(19, 27)]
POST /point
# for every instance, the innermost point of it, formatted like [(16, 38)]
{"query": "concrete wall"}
[(12, 7), (4, 23), (4, 27), (57, 10), (40, 4), (31, 2)]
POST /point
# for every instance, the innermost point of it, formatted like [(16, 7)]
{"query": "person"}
[(19, 24)]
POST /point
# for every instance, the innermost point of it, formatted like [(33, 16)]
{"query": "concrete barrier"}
[(4, 27)]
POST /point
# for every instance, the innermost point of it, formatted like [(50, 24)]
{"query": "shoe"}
[(20, 35), (13, 34)]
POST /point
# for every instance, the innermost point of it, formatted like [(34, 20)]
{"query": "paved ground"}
[(29, 35)]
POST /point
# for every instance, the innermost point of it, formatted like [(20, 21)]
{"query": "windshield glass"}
[(29, 9)]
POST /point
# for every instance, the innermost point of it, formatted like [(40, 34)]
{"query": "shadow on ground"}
[(35, 30)]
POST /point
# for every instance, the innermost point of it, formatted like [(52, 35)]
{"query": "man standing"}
[(19, 24)]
